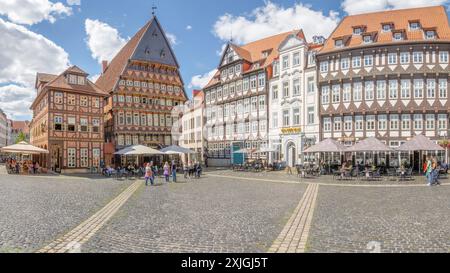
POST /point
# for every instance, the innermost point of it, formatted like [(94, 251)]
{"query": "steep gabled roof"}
[(148, 44), (44, 78), (60, 82), (429, 17), (253, 52)]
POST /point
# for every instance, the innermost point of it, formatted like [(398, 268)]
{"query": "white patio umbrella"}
[(23, 148), (139, 150), (176, 150)]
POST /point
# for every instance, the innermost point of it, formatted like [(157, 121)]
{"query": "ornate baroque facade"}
[(293, 99)]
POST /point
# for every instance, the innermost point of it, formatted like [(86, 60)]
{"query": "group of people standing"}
[(26, 166), (170, 170), (432, 169)]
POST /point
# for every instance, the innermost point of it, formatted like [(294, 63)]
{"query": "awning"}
[(245, 151), (265, 150), (23, 148)]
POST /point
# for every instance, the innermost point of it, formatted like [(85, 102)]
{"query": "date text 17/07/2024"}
[(237, 263)]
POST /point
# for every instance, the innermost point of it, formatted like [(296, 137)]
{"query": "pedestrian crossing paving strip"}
[(294, 236), (73, 240)]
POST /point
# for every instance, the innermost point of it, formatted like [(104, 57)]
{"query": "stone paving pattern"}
[(284, 177), (225, 212), (207, 215), (36, 210), (415, 219)]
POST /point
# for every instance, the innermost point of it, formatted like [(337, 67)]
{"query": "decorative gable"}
[(154, 47), (290, 42)]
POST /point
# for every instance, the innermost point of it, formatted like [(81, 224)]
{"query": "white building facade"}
[(193, 123), (4, 128), (293, 100)]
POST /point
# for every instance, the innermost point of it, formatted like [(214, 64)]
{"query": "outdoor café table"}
[(401, 175), (368, 174)]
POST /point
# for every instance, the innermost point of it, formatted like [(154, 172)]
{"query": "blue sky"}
[(49, 36)]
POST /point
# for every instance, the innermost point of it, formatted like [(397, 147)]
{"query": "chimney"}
[(104, 66)]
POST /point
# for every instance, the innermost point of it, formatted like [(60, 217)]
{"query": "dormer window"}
[(430, 34), (398, 36), (339, 43), (367, 39), (357, 31), (73, 79), (81, 80), (387, 27), (414, 25)]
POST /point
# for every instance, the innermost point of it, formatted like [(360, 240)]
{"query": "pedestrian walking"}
[(166, 171), (185, 170), (174, 171), (429, 171), (148, 174), (435, 172)]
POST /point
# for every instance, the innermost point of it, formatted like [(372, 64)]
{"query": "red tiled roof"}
[(253, 52), (60, 82), (21, 126), (429, 17)]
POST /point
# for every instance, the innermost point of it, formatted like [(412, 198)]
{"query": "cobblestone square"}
[(224, 211)]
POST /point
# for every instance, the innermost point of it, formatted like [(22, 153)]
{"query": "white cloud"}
[(172, 39), (199, 81), (94, 78), (222, 49), (16, 100), (272, 19), (103, 41), (362, 6), (23, 53), (188, 27), (31, 12), (73, 2)]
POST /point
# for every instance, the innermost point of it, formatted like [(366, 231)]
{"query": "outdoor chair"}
[(336, 174), (377, 175), (355, 173), (391, 174), (409, 175)]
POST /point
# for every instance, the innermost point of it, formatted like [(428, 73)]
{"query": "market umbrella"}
[(327, 146), (23, 148), (138, 150), (176, 150), (369, 145), (420, 143)]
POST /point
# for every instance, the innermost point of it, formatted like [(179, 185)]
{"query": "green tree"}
[(21, 137)]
